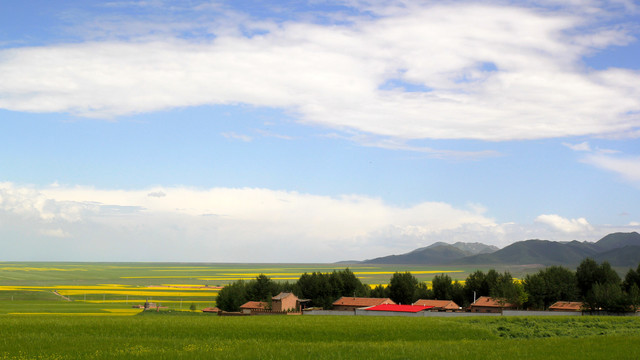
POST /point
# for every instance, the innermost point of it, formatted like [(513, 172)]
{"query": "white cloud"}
[(56, 233), (579, 225), (233, 135), (221, 224), (583, 146), (245, 225), (627, 167), (492, 72)]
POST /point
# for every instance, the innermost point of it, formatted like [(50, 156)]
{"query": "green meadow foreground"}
[(153, 335), (84, 311)]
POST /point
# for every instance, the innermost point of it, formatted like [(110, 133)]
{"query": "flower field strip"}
[(206, 278), (107, 312), (233, 276), (132, 301), (140, 293), (15, 268), (119, 290)]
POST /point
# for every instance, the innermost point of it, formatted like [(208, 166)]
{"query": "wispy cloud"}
[(402, 145), (580, 225), (583, 146), (492, 72), (267, 133), (233, 135), (628, 167)]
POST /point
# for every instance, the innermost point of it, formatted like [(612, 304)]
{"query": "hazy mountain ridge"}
[(619, 249)]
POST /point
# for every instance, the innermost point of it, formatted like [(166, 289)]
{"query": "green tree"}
[(590, 273), (458, 293), (601, 287), (232, 296), (380, 291), (507, 290), (423, 292), (442, 287), (474, 285), (262, 288), (555, 283), (632, 277), (402, 288), (608, 297), (325, 288)]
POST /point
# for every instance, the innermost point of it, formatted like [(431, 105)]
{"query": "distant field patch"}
[(9, 268), (105, 312)]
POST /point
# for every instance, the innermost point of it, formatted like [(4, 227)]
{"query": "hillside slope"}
[(543, 252), (619, 249)]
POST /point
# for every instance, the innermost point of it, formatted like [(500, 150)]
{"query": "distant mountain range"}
[(619, 249)]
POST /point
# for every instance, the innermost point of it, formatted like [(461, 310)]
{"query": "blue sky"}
[(313, 131)]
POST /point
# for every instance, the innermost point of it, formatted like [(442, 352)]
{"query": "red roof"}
[(399, 308)]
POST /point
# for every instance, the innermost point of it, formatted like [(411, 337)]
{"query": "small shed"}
[(486, 304), (250, 306), (352, 303), (567, 306), (439, 305)]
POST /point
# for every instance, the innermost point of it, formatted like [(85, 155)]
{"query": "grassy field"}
[(84, 311), (164, 336)]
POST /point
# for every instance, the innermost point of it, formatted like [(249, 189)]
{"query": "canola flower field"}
[(98, 288)]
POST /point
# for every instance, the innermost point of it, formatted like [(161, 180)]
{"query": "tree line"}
[(598, 286)]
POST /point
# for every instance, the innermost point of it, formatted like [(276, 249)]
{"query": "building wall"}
[(485, 309), (345, 307), (288, 303)]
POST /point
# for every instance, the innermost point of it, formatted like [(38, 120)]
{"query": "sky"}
[(313, 131)]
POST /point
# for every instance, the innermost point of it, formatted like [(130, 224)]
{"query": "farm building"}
[(251, 306), (485, 304), (352, 303), (214, 310), (566, 306), (438, 305), (281, 303), (284, 301)]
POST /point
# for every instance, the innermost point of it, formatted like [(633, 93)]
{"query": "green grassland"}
[(199, 336), (89, 316)]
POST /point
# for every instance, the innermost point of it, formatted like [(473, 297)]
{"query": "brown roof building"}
[(284, 301), (485, 304), (249, 306), (352, 303), (438, 305), (566, 306)]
